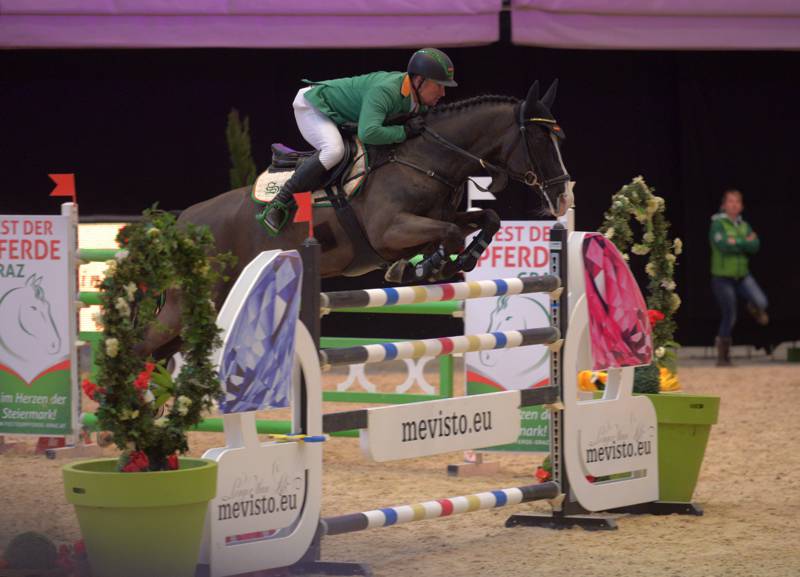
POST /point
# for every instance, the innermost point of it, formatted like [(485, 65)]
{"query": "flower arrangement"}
[(636, 201), (146, 411)]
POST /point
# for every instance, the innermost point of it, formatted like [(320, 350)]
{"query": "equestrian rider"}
[(368, 100)]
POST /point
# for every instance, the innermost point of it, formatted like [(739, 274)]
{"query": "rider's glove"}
[(414, 126)]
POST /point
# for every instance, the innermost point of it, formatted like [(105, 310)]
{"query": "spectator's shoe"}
[(724, 352), (760, 315)]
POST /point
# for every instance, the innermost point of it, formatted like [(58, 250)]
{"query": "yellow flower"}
[(677, 246), (112, 347), (675, 302), (640, 249), (122, 307), (650, 269), (609, 234), (130, 290)]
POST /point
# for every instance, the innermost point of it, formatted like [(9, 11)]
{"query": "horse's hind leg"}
[(161, 338)]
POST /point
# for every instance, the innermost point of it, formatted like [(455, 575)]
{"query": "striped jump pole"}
[(370, 298), (439, 508), (436, 347)]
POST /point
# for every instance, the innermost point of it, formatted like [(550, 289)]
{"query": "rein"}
[(531, 178)]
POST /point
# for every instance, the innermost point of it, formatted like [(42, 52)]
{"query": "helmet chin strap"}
[(417, 98)]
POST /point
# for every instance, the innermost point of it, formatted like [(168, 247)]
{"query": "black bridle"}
[(532, 177)]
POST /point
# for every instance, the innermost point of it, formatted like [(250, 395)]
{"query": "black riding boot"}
[(308, 176), (724, 351)]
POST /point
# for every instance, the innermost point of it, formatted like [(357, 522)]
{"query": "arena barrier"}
[(291, 527)]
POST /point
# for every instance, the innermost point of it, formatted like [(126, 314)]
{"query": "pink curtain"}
[(247, 23), (657, 24)]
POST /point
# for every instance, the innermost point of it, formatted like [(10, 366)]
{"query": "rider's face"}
[(430, 92)]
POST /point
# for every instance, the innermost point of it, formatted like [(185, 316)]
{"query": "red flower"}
[(655, 316), (172, 462), (542, 474), (590, 478), (143, 378), (90, 389), (137, 461)]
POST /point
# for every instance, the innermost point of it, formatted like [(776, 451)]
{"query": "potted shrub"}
[(143, 514), (684, 421)]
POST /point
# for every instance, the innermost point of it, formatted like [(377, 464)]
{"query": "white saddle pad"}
[(269, 183)]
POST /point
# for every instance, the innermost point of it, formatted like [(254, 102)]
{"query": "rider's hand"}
[(414, 126)]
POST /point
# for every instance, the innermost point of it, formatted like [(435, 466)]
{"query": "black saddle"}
[(287, 158)]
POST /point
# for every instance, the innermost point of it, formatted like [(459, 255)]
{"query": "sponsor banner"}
[(37, 284), (520, 248), (436, 427)]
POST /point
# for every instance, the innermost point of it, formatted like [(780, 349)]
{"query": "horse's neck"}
[(478, 130)]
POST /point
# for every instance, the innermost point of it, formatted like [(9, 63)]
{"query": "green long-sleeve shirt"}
[(368, 100), (730, 246)]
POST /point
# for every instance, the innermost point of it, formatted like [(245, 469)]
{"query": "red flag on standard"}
[(65, 185), (304, 212)]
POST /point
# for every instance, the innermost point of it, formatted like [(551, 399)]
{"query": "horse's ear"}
[(533, 95), (499, 182), (549, 97)]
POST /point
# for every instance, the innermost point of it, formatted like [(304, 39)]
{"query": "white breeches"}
[(318, 130)]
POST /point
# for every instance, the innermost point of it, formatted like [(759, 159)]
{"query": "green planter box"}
[(141, 524), (684, 423)]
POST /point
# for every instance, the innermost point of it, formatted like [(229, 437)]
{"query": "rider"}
[(368, 100)]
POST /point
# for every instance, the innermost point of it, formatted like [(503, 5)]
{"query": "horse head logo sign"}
[(517, 313), (28, 333)]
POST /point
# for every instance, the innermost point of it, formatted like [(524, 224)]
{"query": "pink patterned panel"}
[(618, 323)]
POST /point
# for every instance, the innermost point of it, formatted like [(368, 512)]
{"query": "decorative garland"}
[(147, 412), (637, 201)]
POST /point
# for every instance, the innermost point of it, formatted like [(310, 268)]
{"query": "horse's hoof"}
[(396, 272)]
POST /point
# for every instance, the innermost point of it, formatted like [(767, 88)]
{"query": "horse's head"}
[(535, 151), (34, 315)]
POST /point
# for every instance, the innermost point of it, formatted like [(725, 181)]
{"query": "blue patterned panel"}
[(257, 358)]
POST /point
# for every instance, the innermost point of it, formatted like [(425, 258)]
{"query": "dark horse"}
[(409, 203)]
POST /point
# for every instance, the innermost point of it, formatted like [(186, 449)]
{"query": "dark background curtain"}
[(146, 126)]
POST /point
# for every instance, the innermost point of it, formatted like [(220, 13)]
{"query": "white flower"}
[(127, 415), (639, 180), (626, 257), (152, 232), (652, 206), (670, 257), (161, 422), (640, 249), (112, 347), (650, 269), (677, 246), (609, 234), (648, 237), (660, 351), (668, 284), (182, 404), (130, 289), (148, 396), (111, 267), (676, 302), (122, 307), (121, 255)]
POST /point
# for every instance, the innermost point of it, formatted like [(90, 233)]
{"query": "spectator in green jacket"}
[(368, 100), (732, 243)]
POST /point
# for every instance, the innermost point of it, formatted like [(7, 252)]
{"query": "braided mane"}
[(459, 105)]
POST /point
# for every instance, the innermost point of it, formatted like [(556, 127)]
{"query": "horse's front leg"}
[(408, 231), (488, 222)]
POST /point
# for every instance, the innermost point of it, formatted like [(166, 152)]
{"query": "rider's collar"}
[(405, 88)]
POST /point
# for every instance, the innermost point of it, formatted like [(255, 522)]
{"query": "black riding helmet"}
[(433, 64)]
